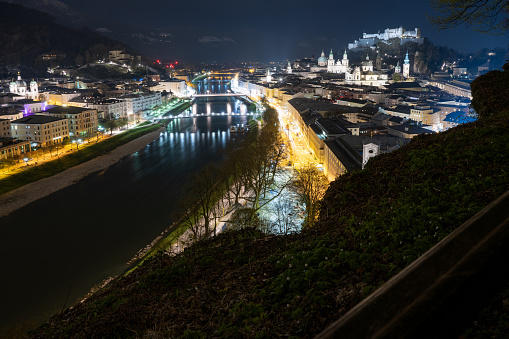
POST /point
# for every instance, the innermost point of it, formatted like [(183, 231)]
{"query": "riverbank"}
[(20, 197)]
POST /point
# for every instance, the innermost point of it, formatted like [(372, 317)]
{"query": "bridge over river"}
[(204, 95), (184, 115)]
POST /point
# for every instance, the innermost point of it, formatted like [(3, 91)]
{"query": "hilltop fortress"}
[(368, 40)]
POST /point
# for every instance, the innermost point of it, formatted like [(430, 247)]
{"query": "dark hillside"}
[(373, 223), (26, 34)]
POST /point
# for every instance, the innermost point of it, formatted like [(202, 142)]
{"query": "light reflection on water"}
[(84, 233)]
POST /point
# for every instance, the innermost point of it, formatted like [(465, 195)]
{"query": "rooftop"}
[(67, 110), (36, 119), (344, 156)]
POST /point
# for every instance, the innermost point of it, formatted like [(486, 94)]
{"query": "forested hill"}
[(27, 34)]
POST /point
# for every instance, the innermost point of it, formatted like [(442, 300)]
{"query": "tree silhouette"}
[(486, 16)]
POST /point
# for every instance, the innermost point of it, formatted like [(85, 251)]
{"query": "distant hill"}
[(427, 57), (27, 34)]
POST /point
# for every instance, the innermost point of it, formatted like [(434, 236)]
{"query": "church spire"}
[(345, 56), (331, 54), (407, 60)]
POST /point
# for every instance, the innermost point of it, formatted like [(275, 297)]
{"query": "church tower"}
[(330, 62), (34, 90), (406, 66), (13, 88), (369, 150), (398, 68), (344, 62), (378, 62), (289, 68), (367, 66), (269, 76)]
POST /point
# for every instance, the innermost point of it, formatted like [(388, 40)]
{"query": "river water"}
[(71, 240)]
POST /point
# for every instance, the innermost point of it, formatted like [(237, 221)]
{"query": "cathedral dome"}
[(20, 82), (322, 57)]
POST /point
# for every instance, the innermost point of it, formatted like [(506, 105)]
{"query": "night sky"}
[(264, 30)]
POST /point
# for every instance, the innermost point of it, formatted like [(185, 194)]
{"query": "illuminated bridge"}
[(217, 95), (206, 115)]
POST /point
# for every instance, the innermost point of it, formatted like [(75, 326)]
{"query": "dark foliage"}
[(490, 92), (26, 34)]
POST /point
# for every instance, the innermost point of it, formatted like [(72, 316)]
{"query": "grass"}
[(58, 165), (373, 223), (180, 108)]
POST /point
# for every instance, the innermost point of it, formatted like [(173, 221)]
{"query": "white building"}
[(365, 75), (393, 33), (339, 66), (176, 86), (369, 39), (138, 102), (20, 88)]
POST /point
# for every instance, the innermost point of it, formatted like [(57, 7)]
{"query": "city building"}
[(177, 87), (11, 113), (41, 130), (81, 121), (422, 113), (457, 118), (339, 158), (11, 147), (140, 101), (5, 128), (454, 87), (56, 95), (120, 56), (106, 107), (408, 130)]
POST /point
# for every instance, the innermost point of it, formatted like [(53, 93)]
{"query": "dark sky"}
[(276, 30)]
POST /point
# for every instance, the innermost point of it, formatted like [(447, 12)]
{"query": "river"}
[(73, 239)]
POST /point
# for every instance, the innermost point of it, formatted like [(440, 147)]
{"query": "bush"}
[(491, 92)]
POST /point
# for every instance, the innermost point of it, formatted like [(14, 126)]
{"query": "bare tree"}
[(283, 212), (258, 162), (487, 16), (312, 186), (199, 206)]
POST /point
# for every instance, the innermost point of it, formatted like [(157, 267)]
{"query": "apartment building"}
[(41, 129)]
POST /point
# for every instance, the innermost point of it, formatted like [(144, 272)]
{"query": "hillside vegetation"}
[(372, 224), (26, 34)]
